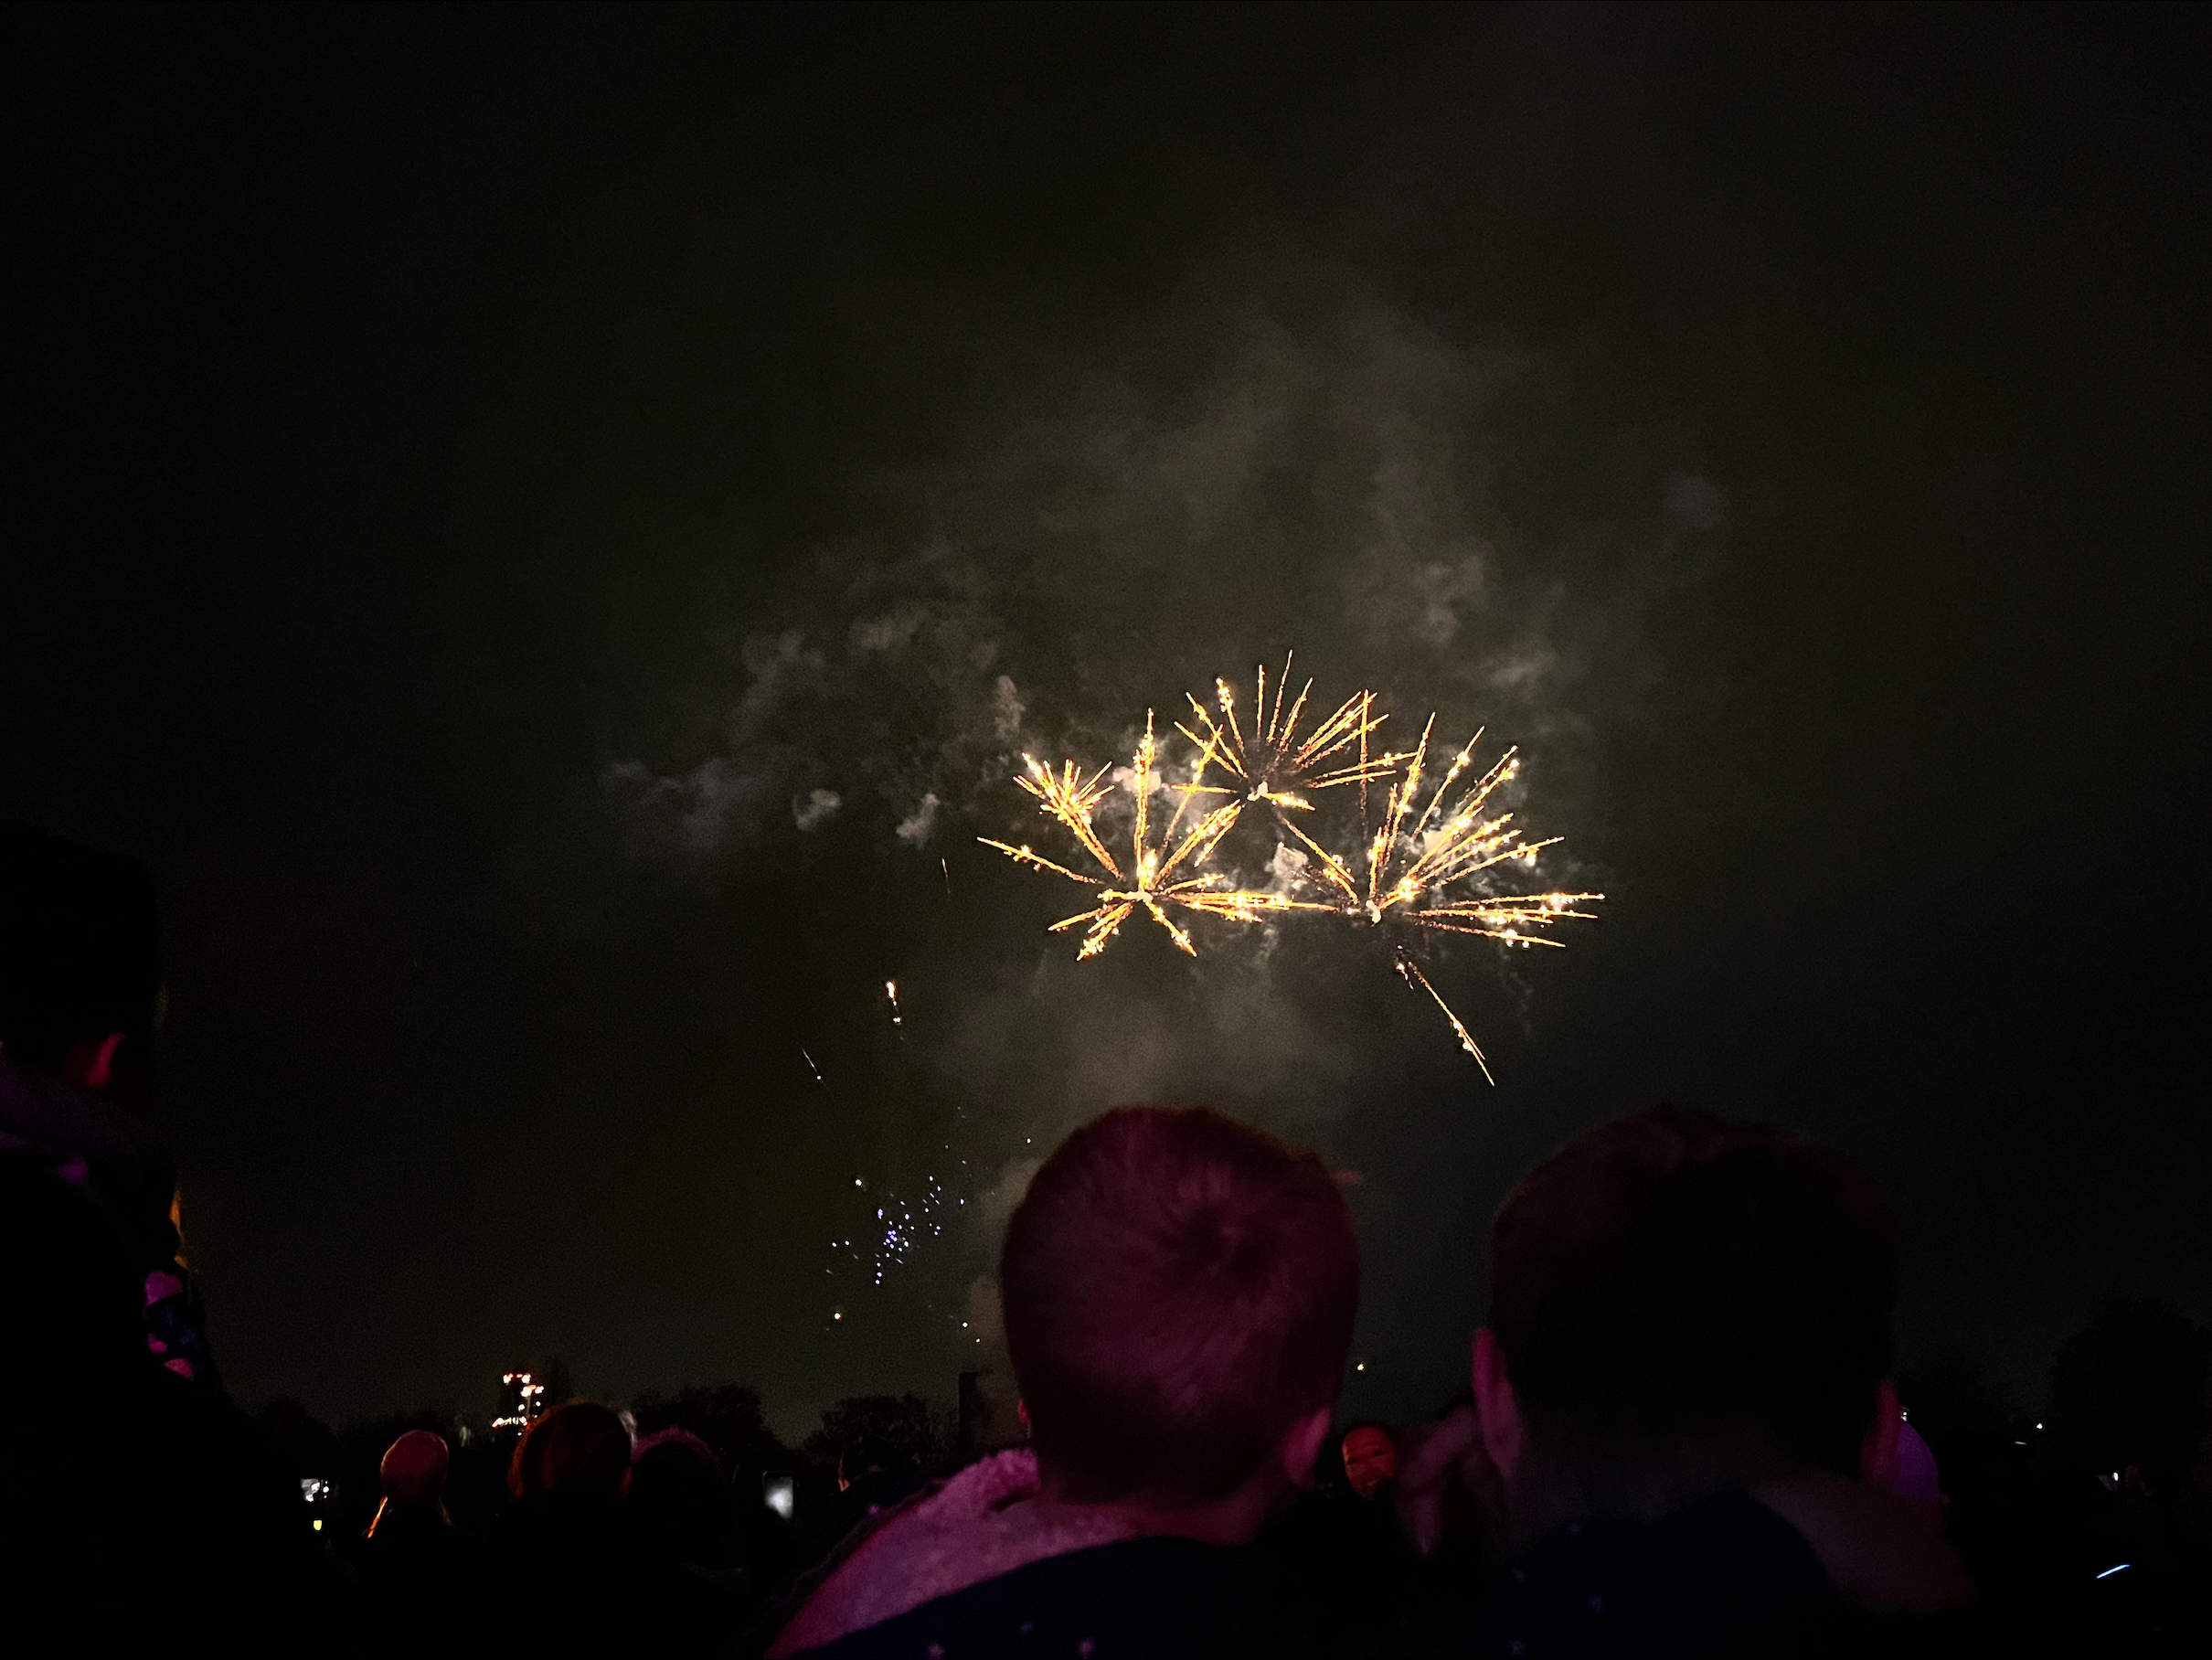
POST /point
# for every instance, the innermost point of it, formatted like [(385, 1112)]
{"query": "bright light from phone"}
[(780, 1493)]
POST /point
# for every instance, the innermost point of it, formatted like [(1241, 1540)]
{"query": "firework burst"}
[(1412, 868), (1409, 870), (1162, 875), (1434, 862), (1277, 765)]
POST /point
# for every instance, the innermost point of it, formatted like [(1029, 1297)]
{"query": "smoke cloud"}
[(1363, 491), (1428, 518)]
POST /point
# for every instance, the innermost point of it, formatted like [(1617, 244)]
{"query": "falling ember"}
[(1409, 971), (1071, 799), (813, 1068), (891, 990)]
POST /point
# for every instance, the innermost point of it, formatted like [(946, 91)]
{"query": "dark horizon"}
[(483, 480)]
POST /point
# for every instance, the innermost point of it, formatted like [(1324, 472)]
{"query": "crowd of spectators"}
[(1678, 1432)]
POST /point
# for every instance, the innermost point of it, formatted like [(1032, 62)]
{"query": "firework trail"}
[(1409, 971), (1071, 800)]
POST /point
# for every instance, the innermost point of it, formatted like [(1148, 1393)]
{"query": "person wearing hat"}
[(419, 1573)]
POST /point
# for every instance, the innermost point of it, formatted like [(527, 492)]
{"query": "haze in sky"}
[(552, 529)]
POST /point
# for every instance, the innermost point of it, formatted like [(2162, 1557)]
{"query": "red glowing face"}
[(1370, 1459)]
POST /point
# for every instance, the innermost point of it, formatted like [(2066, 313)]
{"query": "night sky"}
[(514, 512)]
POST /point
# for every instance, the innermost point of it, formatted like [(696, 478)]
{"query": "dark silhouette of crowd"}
[(1682, 1430)]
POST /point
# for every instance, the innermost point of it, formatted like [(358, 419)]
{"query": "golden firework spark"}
[(1151, 880), (1409, 869), (1427, 862), (1409, 971), (1412, 869), (1275, 765)]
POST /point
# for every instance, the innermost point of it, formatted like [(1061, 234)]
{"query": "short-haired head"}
[(1672, 1286), (1179, 1290), (578, 1447), (414, 1467)]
